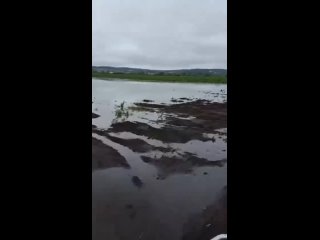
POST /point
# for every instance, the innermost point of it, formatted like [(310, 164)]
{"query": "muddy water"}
[(171, 188)]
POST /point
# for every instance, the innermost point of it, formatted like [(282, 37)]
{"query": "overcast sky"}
[(159, 34)]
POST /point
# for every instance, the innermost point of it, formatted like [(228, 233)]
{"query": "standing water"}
[(172, 180)]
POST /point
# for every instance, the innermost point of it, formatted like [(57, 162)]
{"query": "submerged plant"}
[(122, 106), (121, 113)]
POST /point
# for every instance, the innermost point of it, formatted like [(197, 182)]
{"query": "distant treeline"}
[(162, 77)]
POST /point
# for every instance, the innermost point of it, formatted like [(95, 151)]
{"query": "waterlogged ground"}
[(159, 160)]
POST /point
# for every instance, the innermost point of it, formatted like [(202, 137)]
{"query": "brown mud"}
[(104, 156)]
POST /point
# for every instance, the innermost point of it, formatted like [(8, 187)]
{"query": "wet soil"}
[(104, 156), (167, 134), (182, 164), (137, 145), (94, 115), (207, 115), (147, 100)]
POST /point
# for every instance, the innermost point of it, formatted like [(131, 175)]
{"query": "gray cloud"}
[(160, 34)]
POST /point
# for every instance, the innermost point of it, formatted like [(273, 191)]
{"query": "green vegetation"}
[(160, 77), (121, 113)]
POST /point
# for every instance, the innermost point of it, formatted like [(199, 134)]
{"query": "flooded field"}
[(159, 160)]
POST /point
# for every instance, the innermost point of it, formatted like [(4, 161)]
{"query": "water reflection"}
[(210, 222)]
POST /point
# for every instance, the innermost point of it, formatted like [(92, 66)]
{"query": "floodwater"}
[(108, 94), (174, 188)]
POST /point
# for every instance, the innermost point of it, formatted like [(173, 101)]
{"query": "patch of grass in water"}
[(121, 113)]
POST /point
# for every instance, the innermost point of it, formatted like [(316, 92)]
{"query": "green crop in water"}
[(161, 78), (121, 113)]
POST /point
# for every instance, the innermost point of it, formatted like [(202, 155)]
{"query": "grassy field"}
[(161, 78)]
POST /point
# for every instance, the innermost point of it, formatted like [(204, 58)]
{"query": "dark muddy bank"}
[(185, 164), (104, 156)]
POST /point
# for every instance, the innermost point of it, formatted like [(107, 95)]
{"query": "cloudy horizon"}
[(153, 34)]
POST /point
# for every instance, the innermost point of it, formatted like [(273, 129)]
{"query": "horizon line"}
[(159, 69)]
